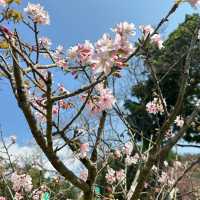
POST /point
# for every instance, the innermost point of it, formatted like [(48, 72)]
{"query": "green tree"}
[(168, 63)]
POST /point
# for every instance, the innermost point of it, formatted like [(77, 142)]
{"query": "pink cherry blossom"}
[(55, 110), (18, 196), (84, 175), (166, 164), (146, 185), (103, 63), (166, 178), (102, 60), (111, 52), (84, 148), (2, 198), (194, 3), (37, 13), (151, 108), (99, 86), (156, 39), (45, 42), (163, 178), (169, 133), (128, 148), (82, 53), (117, 154), (61, 63), (177, 164), (154, 168), (120, 175), (3, 3), (58, 57), (155, 106), (198, 35), (132, 159), (125, 28), (21, 182), (179, 121), (122, 44), (36, 194), (104, 44), (7, 32), (110, 176), (106, 99), (147, 30), (73, 52), (62, 88)]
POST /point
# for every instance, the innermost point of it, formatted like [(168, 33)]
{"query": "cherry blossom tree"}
[(80, 121)]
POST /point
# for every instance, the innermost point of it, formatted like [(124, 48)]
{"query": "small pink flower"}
[(106, 100), (199, 34), (155, 106), (61, 63), (110, 176), (55, 110), (117, 154), (3, 3), (163, 178), (18, 196), (37, 13), (84, 175), (125, 28), (82, 52), (6, 31), (194, 3), (62, 88), (132, 159), (177, 164), (146, 185), (120, 175), (169, 133), (148, 29), (151, 108), (21, 181), (84, 148), (2, 198), (156, 39), (45, 42), (128, 148), (179, 121)]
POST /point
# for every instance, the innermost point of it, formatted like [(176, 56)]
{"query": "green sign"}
[(45, 196)]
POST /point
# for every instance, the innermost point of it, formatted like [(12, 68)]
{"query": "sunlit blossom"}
[(3, 3), (37, 13), (146, 30), (106, 99), (84, 148), (156, 39), (110, 176), (194, 3), (179, 121), (155, 106), (125, 28), (45, 42), (84, 175), (21, 182)]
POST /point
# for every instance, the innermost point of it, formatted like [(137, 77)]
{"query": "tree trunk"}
[(89, 196)]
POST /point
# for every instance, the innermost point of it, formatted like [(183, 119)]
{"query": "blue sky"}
[(74, 21)]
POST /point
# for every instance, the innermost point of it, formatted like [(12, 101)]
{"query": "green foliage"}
[(174, 53), (37, 176), (13, 15)]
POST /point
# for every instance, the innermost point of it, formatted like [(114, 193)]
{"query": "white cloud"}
[(31, 154)]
